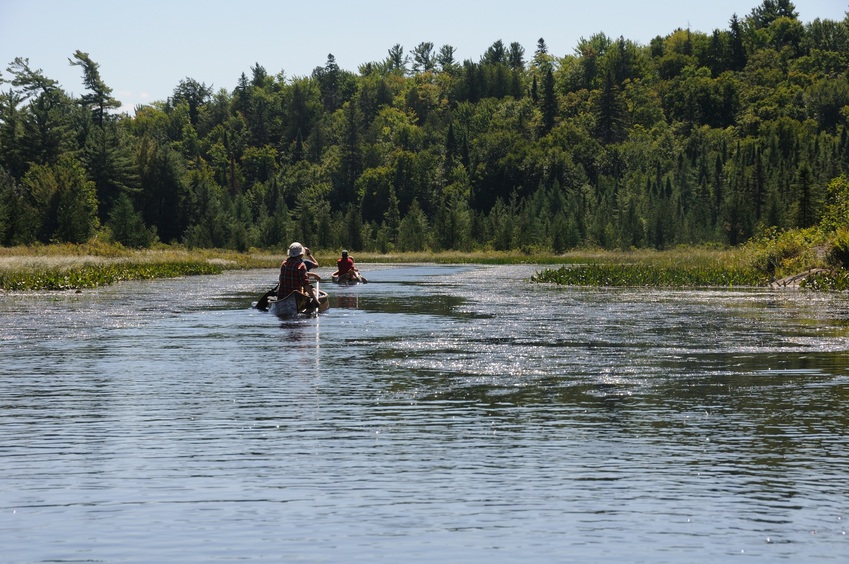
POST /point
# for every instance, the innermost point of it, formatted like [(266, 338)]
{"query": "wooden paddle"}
[(262, 303)]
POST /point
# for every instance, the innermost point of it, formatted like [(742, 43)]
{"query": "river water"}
[(437, 413)]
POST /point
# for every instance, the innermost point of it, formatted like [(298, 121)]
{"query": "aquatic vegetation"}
[(93, 275), (676, 268), (834, 280), (641, 274), (66, 266)]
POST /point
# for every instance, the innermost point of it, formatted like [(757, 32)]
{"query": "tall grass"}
[(67, 267), (63, 267), (91, 275)]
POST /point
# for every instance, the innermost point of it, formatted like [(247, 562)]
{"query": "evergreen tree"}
[(610, 113), (64, 200), (805, 206), (548, 101), (392, 218), (396, 62), (445, 58), (770, 10), (738, 51), (423, 57), (42, 131), (110, 165), (516, 57), (8, 207), (194, 94), (99, 98), (329, 82), (413, 230), (127, 225), (350, 164)]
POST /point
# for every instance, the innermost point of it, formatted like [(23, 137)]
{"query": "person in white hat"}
[(293, 275)]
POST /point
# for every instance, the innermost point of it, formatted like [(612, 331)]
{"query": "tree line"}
[(694, 138)]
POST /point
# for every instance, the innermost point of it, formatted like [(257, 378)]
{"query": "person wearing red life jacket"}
[(345, 269)]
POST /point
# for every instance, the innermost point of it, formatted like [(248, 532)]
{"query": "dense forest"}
[(695, 138)]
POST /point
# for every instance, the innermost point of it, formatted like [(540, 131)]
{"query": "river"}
[(435, 414)]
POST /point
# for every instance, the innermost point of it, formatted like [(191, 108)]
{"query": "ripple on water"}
[(444, 413)]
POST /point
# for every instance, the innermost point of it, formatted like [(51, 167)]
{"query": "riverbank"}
[(73, 267), (69, 267)]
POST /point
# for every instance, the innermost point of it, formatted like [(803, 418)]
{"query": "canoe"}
[(297, 304), (351, 278)]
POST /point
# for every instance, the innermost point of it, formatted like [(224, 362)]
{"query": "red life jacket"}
[(343, 265)]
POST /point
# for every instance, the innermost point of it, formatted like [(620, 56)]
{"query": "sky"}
[(144, 49)]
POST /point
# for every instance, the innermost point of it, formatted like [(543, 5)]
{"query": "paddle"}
[(313, 307), (262, 303)]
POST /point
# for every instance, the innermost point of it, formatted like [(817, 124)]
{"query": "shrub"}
[(838, 252)]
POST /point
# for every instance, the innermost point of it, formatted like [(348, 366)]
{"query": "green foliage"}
[(693, 139), (783, 253), (836, 213), (61, 201), (413, 231), (836, 281), (7, 205), (838, 253), (127, 225)]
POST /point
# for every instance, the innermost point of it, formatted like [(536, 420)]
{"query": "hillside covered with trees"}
[(695, 138)]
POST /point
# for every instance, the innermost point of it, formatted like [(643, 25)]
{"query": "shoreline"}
[(72, 267)]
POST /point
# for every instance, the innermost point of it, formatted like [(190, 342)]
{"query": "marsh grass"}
[(676, 268), (650, 275), (66, 267)]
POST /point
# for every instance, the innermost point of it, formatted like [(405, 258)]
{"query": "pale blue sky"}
[(145, 48)]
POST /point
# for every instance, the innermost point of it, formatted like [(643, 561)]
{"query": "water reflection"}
[(346, 301)]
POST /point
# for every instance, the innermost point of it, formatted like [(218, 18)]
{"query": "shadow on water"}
[(437, 305)]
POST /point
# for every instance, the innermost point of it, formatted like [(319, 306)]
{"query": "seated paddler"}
[(293, 276)]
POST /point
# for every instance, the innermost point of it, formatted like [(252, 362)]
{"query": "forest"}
[(694, 139)]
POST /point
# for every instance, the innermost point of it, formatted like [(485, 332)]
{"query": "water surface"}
[(438, 413)]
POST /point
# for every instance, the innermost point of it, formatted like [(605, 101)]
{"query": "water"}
[(438, 413)]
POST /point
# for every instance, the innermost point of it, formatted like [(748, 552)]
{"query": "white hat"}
[(296, 250)]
